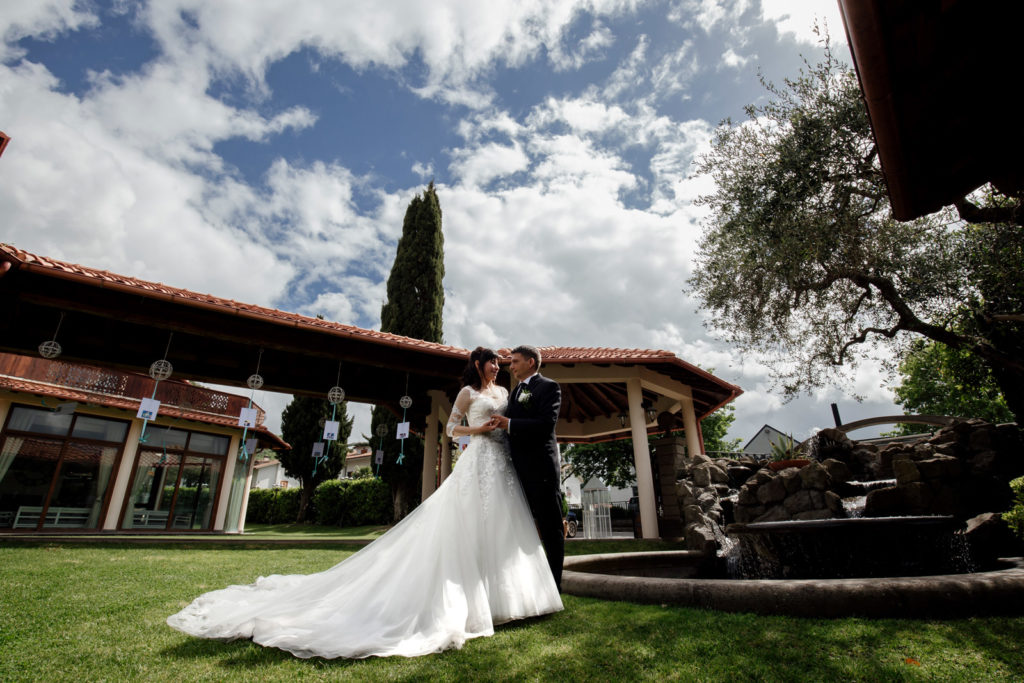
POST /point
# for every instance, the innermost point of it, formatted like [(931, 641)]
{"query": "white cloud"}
[(41, 19), (487, 162), (733, 60), (798, 16)]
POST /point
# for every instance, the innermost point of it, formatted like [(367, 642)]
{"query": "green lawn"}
[(78, 612)]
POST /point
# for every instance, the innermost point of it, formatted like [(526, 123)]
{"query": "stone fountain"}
[(793, 530)]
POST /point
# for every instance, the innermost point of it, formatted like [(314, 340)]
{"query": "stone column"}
[(642, 460), (430, 452), (694, 443), (670, 453)]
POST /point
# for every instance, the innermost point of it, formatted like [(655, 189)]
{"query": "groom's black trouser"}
[(545, 502)]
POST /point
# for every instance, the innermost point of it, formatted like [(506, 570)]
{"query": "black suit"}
[(534, 449)]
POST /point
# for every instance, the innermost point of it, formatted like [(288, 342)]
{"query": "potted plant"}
[(786, 453)]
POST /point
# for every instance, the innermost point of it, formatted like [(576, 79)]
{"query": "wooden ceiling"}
[(126, 323), (939, 78)]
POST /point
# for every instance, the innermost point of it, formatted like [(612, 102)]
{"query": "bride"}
[(466, 559)]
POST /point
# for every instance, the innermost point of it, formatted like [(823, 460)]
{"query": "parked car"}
[(572, 524)]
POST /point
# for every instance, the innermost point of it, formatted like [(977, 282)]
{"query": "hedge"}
[(273, 506), (353, 502), (338, 502)]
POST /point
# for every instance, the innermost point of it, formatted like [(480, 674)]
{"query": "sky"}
[(266, 152)]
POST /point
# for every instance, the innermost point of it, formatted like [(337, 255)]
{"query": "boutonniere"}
[(524, 398)]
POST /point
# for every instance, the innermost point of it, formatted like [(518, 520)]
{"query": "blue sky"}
[(266, 152)]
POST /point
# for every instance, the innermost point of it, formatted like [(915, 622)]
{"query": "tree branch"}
[(972, 213)]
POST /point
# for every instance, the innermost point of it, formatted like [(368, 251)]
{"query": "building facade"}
[(74, 456)]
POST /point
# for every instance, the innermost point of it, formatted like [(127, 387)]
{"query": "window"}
[(177, 476), (55, 469)]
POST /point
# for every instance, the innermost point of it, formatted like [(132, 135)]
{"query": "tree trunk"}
[(303, 501)]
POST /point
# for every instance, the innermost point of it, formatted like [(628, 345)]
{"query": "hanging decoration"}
[(335, 395), (248, 416), (149, 408), (51, 349), (403, 426), (378, 457)]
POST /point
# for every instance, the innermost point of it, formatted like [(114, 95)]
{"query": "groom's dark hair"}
[(527, 351)]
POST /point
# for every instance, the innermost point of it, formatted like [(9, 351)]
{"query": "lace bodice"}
[(478, 407)]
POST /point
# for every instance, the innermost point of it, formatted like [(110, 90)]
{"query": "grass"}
[(96, 612)]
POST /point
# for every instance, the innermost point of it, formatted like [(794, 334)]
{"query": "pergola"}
[(126, 323)]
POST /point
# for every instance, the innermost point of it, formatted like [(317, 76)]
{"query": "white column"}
[(694, 444), (446, 456), (642, 460), (245, 494), (123, 478), (224, 486), (430, 452)]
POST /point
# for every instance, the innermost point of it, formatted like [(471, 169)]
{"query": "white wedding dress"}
[(466, 559)]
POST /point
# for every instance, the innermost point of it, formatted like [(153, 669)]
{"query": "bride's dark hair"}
[(471, 376)]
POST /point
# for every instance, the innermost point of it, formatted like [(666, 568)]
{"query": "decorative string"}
[(401, 451), (244, 455), (156, 383), (334, 413)]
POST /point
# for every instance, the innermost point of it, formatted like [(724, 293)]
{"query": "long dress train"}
[(466, 559)]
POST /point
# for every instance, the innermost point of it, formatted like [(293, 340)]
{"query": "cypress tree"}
[(301, 427), (413, 309)]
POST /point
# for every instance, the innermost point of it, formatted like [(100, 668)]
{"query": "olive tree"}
[(802, 263)]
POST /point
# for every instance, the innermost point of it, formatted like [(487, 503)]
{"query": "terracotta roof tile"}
[(103, 276)]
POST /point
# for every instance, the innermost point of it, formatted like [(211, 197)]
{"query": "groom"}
[(530, 421)]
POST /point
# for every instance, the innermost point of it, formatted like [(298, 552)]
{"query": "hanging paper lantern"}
[(255, 381), (405, 401), (336, 395), (160, 369), (49, 349), (382, 429)]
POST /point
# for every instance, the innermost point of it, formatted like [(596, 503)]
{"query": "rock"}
[(748, 513), (791, 479), (917, 497), (684, 492), (989, 537), (837, 470), (738, 474), (701, 475), (699, 459), (776, 513), (905, 470), (814, 476), (692, 514), (834, 504), (748, 495), (718, 475), (800, 501), (702, 538), (707, 501), (944, 500), (771, 492), (984, 462), (887, 502), (941, 466)]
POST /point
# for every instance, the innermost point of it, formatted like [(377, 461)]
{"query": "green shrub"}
[(1015, 517), (366, 501), (285, 508), (258, 509), (328, 499)]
